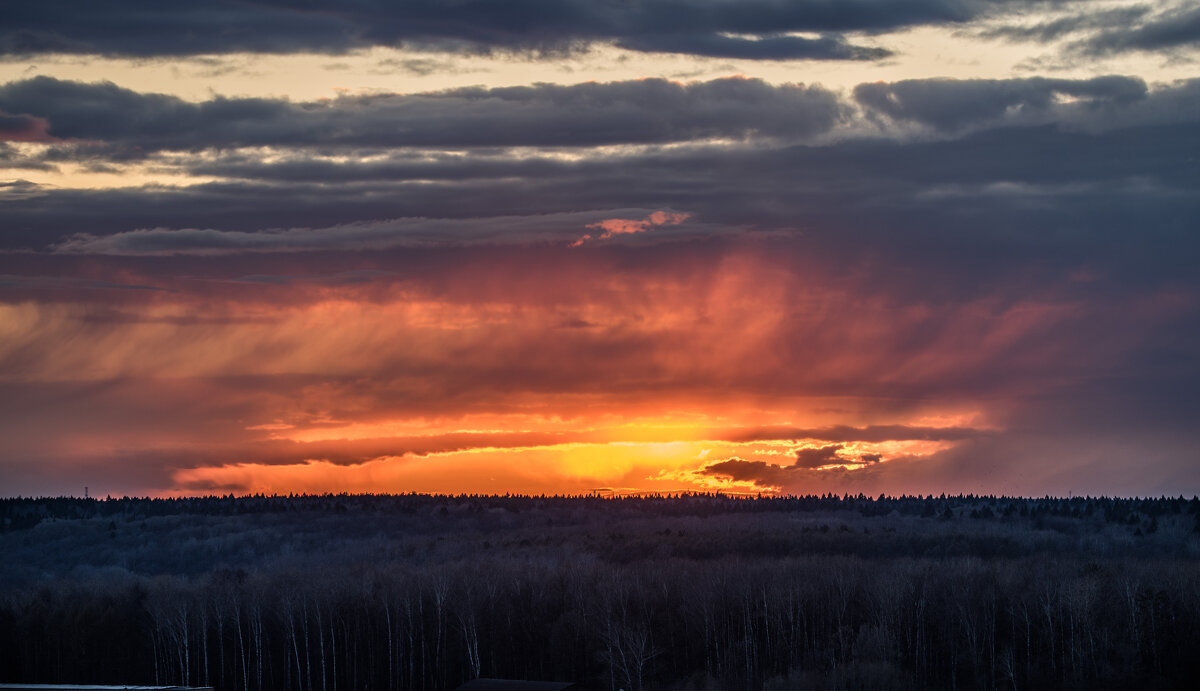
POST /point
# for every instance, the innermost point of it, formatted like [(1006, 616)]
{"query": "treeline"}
[(693, 592), (22, 513)]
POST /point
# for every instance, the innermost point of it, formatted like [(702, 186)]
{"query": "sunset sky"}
[(557, 246)]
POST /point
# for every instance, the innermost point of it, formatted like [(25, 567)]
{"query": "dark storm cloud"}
[(19, 189), (103, 124), (1025, 194), (1097, 32), (373, 166), (954, 104), (65, 284), (805, 468), (817, 457), (1089, 20), (640, 111), (739, 470), (147, 28), (355, 236), (977, 211), (765, 48), (1176, 28), (21, 128)]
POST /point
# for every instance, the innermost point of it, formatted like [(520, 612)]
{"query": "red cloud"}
[(24, 128), (629, 226)]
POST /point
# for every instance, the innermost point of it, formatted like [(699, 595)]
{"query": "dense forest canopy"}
[(680, 592)]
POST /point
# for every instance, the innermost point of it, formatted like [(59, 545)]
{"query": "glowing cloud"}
[(628, 226)]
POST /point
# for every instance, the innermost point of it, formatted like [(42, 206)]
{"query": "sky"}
[(613, 246)]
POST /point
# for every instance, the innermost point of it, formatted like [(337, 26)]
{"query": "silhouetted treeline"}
[(694, 592), (20, 512)]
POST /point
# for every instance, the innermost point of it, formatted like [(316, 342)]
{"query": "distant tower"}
[(85, 496)]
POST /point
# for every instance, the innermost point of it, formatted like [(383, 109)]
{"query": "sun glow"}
[(535, 454)]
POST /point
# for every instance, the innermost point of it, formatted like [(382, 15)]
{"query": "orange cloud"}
[(629, 226), (544, 368)]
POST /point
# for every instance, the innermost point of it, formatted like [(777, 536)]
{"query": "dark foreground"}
[(342, 593)]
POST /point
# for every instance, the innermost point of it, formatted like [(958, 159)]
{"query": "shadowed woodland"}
[(340, 593)]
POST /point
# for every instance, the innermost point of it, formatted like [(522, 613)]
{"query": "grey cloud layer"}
[(409, 232), (951, 104), (970, 210), (105, 123), (1177, 27), (766, 48), (146, 28), (1091, 31), (748, 29), (1015, 178), (1129, 167), (1051, 30), (641, 111)]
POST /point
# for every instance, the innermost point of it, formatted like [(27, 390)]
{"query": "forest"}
[(680, 592)]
